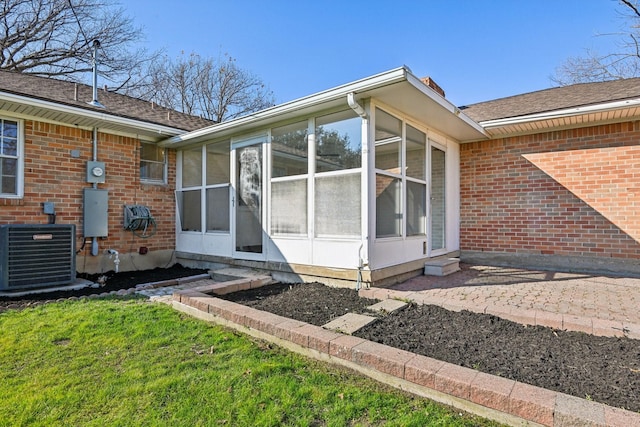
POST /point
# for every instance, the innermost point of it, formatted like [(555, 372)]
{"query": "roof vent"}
[(94, 101)]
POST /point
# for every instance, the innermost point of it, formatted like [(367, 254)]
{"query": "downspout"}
[(351, 100), (95, 250), (96, 44), (360, 111)]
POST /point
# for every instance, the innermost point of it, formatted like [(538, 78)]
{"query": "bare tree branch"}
[(621, 64), (53, 38), (217, 90), (631, 5)]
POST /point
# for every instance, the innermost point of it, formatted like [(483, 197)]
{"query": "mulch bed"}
[(111, 282), (602, 369)]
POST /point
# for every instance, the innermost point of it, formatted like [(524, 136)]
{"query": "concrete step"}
[(441, 266)]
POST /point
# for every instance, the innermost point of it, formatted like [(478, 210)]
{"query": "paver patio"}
[(595, 304)]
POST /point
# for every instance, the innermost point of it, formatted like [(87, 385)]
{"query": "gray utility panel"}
[(96, 216)]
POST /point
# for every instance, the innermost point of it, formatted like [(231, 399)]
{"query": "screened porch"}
[(329, 189)]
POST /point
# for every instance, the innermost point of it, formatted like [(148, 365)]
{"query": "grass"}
[(133, 363)]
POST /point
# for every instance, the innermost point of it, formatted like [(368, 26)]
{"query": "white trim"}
[(260, 140), (165, 165), (569, 112), (141, 125), (444, 103), (20, 154), (338, 93), (328, 98)]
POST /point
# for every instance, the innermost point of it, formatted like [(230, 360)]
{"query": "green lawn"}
[(130, 362)]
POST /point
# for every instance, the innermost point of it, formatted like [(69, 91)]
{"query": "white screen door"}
[(249, 196)]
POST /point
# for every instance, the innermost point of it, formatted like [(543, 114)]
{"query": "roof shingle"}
[(79, 95), (559, 98)]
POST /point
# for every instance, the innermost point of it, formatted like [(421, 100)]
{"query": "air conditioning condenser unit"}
[(37, 255)]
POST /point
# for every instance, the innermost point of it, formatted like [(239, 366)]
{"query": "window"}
[(388, 142), (218, 209), (289, 207), (153, 163), (289, 168), (289, 150), (388, 163), (416, 209), (190, 202), (388, 206), (10, 165), (189, 210), (338, 141), (401, 187), (416, 153), (216, 188), (218, 163), (338, 199), (192, 167), (217, 191), (416, 191)]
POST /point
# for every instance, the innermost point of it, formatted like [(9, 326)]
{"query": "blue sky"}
[(475, 50)]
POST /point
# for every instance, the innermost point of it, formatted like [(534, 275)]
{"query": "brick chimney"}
[(433, 85)]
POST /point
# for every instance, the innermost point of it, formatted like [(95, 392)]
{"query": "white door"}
[(248, 206)]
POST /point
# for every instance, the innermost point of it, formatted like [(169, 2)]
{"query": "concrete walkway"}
[(607, 306)]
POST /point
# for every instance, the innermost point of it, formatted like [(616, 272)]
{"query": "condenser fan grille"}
[(37, 255)]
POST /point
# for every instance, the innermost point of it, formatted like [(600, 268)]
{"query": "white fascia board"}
[(274, 113), (569, 112), (123, 121)]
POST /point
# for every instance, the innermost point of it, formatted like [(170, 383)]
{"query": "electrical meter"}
[(95, 172)]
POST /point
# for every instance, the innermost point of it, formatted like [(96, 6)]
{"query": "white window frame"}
[(402, 176), (164, 169), (20, 164)]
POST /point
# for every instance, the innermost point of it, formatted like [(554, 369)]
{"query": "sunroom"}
[(356, 184)]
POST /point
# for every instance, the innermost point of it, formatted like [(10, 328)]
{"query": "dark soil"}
[(111, 282), (312, 303), (603, 369)]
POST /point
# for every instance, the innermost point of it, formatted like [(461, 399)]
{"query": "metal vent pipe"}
[(94, 101)]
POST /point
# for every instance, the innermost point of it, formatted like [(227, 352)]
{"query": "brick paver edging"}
[(489, 396)]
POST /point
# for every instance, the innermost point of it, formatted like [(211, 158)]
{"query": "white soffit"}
[(397, 88), (73, 116), (572, 117)]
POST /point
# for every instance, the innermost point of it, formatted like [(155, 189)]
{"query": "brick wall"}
[(52, 174), (573, 193)]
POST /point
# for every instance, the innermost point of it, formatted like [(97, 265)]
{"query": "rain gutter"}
[(96, 115), (569, 112)]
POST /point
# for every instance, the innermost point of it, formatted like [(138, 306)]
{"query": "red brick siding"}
[(51, 174), (508, 204), (607, 179)]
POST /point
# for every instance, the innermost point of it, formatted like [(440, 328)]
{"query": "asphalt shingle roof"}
[(553, 99), (78, 95)]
